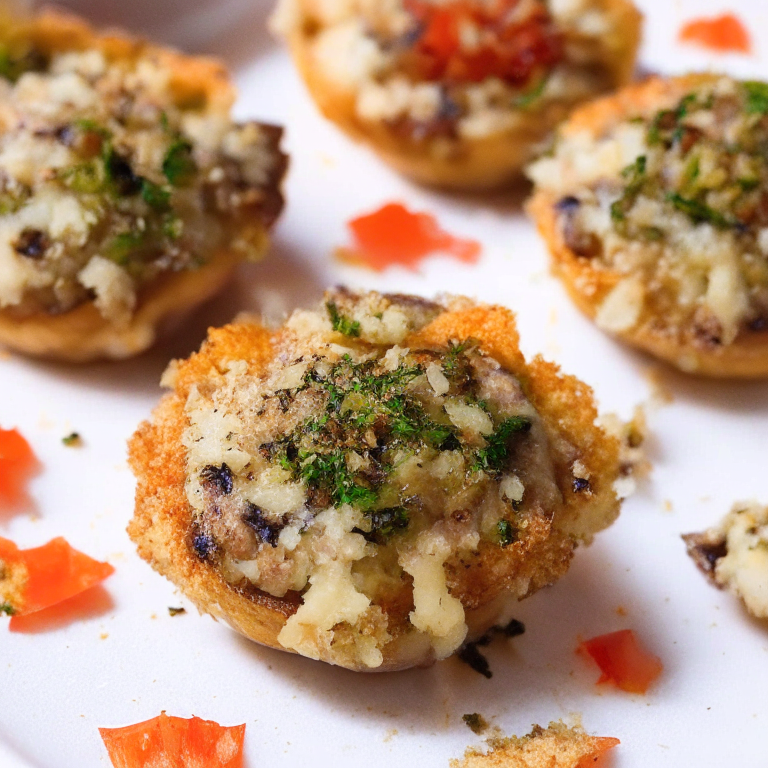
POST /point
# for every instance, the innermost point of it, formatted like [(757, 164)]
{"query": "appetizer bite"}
[(734, 555), (654, 205), (372, 483), (458, 94), (127, 194)]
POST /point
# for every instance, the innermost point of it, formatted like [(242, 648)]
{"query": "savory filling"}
[(676, 201), (464, 68), (354, 469), (734, 554), (108, 180)]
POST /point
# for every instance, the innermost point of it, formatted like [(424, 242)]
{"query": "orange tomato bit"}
[(55, 572), (623, 661), (175, 742), (394, 235), (724, 34), (17, 464)]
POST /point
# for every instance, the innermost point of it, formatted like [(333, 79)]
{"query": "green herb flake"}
[(155, 196), (176, 611), (387, 522), (525, 100), (492, 457), (476, 723), (697, 211), (341, 323), (178, 164), (7, 609), (72, 440), (506, 533), (123, 245), (757, 97)]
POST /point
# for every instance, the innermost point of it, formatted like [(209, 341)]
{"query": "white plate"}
[(132, 660)]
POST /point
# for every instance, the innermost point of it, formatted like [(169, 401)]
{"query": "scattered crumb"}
[(554, 747), (475, 722), (153, 616), (103, 636), (734, 555), (667, 505), (621, 611), (660, 392), (632, 434), (176, 611), (72, 440), (391, 733)]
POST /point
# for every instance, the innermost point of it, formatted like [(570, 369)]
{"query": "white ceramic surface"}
[(131, 660)]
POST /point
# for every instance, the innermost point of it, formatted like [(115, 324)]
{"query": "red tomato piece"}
[(55, 573), (504, 44), (394, 235), (175, 742), (724, 34), (17, 464), (623, 661)]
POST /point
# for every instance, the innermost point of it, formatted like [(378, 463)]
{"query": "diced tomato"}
[(394, 235), (469, 41), (623, 661), (600, 745), (724, 34), (17, 464), (55, 573), (174, 742)]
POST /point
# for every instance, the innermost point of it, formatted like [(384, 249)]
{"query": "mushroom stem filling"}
[(367, 476)]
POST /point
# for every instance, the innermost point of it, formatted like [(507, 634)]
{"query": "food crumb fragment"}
[(72, 440), (475, 722), (176, 611), (470, 654), (556, 746)]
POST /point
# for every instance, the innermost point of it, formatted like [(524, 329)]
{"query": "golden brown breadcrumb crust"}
[(588, 286), (162, 522), (556, 746), (478, 163), (83, 334)]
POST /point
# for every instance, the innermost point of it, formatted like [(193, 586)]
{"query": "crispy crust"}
[(746, 356), (162, 520), (83, 334), (476, 163)]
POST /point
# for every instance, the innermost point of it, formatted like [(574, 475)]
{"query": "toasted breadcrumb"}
[(556, 746)]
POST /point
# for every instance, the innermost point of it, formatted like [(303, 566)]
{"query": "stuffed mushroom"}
[(654, 204), (458, 94), (127, 193), (373, 483)]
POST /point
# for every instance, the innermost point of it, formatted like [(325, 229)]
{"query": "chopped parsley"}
[(72, 440), (7, 609), (178, 164), (492, 457), (635, 175), (506, 532), (698, 211), (527, 99), (757, 97), (341, 323), (176, 611), (155, 196)]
